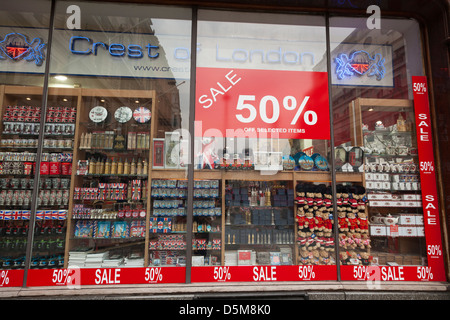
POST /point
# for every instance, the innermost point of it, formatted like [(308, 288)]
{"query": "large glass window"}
[(262, 135), (99, 154), (380, 215), (123, 80), (23, 58)]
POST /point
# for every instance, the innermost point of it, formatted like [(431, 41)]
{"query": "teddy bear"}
[(315, 257), (345, 259), (354, 258), (310, 222), (320, 240), (312, 242), (358, 241), (366, 241), (324, 258), (365, 259), (301, 219), (300, 199), (352, 222), (328, 222), (319, 221), (343, 240), (301, 240), (342, 221), (363, 222), (304, 257), (329, 241), (350, 241)]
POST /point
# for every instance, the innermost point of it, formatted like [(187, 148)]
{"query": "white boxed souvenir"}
[(377, 230), (386, 185), (172, 150), (261, 160), (374, 203), (405, 231), (379, 196), (409, 197), (415, 204), (419, 219), (384, 176), (420, 231), (198, 260), (395, 204), (275, 160), (396, 197), (369, 176), (184, 153), (407, 219)]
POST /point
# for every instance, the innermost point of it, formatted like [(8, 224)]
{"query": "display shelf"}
[(391, 194), (83, 99), (111, 100)]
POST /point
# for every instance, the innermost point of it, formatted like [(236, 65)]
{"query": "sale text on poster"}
[(262, 103)]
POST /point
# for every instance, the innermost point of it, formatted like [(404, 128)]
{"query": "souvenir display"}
[(17, 169), (123, 114), (142, 115), (305, 162), (169, 210), (320, 162), (98, 114), (315, 221), (288, 163), (259, 214)]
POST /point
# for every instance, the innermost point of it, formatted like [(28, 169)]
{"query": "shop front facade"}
[(155, 143)]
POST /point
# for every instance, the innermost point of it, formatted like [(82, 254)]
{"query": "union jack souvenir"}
[(142, 115)]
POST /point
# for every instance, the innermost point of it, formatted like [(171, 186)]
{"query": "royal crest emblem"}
[(360, 63), (16, 47)]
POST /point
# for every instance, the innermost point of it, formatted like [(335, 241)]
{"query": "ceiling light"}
[(61, 78)]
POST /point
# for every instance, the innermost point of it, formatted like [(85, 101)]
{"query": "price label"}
[(153, 275), (262, 104), (306, 273), (222, 273), (420, 87)]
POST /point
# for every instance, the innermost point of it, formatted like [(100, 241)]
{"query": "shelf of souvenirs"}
[(386, 155), (388, 132), (113, 167), (255, 175)]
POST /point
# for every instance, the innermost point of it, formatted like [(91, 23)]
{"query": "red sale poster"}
[(270, 273), (428, 178), (261, 104), (74, 277)]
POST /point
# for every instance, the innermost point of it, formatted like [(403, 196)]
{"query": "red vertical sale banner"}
[(428, 178)]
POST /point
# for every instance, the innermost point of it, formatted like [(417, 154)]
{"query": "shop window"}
[(257, 137), (23, 56), (121, 88), (381, 215)]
